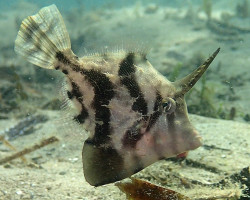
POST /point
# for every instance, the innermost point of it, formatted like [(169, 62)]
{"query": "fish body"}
[(133, 114)]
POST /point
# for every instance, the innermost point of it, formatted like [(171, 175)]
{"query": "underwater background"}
[(178, 36)]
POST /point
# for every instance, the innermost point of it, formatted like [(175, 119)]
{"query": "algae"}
[(242, 9)]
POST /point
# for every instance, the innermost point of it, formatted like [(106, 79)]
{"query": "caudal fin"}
[(41, 36)]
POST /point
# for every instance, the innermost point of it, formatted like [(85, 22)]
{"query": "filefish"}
[(134, 116)]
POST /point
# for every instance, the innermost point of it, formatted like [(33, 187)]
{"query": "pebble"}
[(19, 192), (7, 166), (62, 173), (73, 159)]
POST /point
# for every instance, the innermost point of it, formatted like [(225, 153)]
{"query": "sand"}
[(55, 171)]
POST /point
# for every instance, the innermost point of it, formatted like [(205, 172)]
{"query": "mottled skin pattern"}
[(133, 114)]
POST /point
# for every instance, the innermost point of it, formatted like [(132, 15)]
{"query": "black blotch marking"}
[(62, 58), (157, 111), (82, 116), (140, 103), (158, 101), (57, 67), (70, 95), (103, 89), (104, 92), (65, 71), (79, 97), (152, 120), (127, 65), (76, 92), (126, 72)]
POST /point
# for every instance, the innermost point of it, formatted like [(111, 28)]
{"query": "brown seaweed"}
[(29, 149), (139, 189), (10, 146)]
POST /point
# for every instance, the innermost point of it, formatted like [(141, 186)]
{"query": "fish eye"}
[(169, 106)]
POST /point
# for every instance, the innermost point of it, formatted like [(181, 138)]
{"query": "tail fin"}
[(41, 36)]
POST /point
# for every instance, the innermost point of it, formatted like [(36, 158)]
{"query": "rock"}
[(151, 9)]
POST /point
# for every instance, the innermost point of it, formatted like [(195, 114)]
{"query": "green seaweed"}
[(18, 85), (247, 117), (176, 71), (242, 9), (11, 90), (203, 105), (202, 100), (190, 14)]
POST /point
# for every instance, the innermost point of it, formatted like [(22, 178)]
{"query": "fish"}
[(134, 116)]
